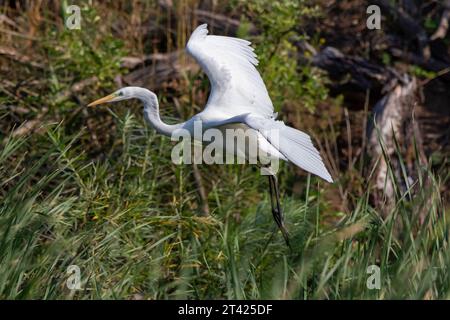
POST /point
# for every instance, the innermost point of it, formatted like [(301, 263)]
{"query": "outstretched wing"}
[(293, 144), (236, 85)]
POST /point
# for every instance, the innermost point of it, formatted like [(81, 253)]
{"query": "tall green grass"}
[(131, 225)]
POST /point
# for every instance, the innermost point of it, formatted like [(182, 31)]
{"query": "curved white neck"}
[(151, 113)]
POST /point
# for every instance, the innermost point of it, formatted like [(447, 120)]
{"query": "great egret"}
[(238, 98)]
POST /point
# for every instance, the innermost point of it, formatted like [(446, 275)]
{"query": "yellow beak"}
[(102, 100)]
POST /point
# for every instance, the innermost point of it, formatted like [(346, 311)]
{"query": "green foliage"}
[(431, 24), (127, 223), (422, 73), (81, 54), (130, 220), (287, 82), (386, 58)]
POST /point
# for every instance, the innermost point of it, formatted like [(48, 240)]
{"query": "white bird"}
[(238, 98)]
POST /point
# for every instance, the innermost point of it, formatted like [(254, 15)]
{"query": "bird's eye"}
[(120, 93)]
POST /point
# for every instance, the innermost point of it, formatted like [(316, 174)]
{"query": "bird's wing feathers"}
[(294, 144), (239, 93), (236, 85)]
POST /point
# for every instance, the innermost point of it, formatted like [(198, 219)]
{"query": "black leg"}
[(276, 207)]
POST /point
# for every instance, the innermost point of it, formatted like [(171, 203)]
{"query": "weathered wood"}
[(393, 122), (363, 74), (155, 70), (163, 68), (441, 31)]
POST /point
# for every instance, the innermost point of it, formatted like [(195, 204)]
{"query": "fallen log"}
[(163, 68), (363, 73), (391, 133)]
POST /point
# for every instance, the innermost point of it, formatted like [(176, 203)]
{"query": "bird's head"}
[(125, 94), (119, 95)]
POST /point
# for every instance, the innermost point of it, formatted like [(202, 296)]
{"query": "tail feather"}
[(295, 145)]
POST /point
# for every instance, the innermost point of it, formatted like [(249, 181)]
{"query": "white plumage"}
[(236, 86), (238, 100), (238, 91)]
